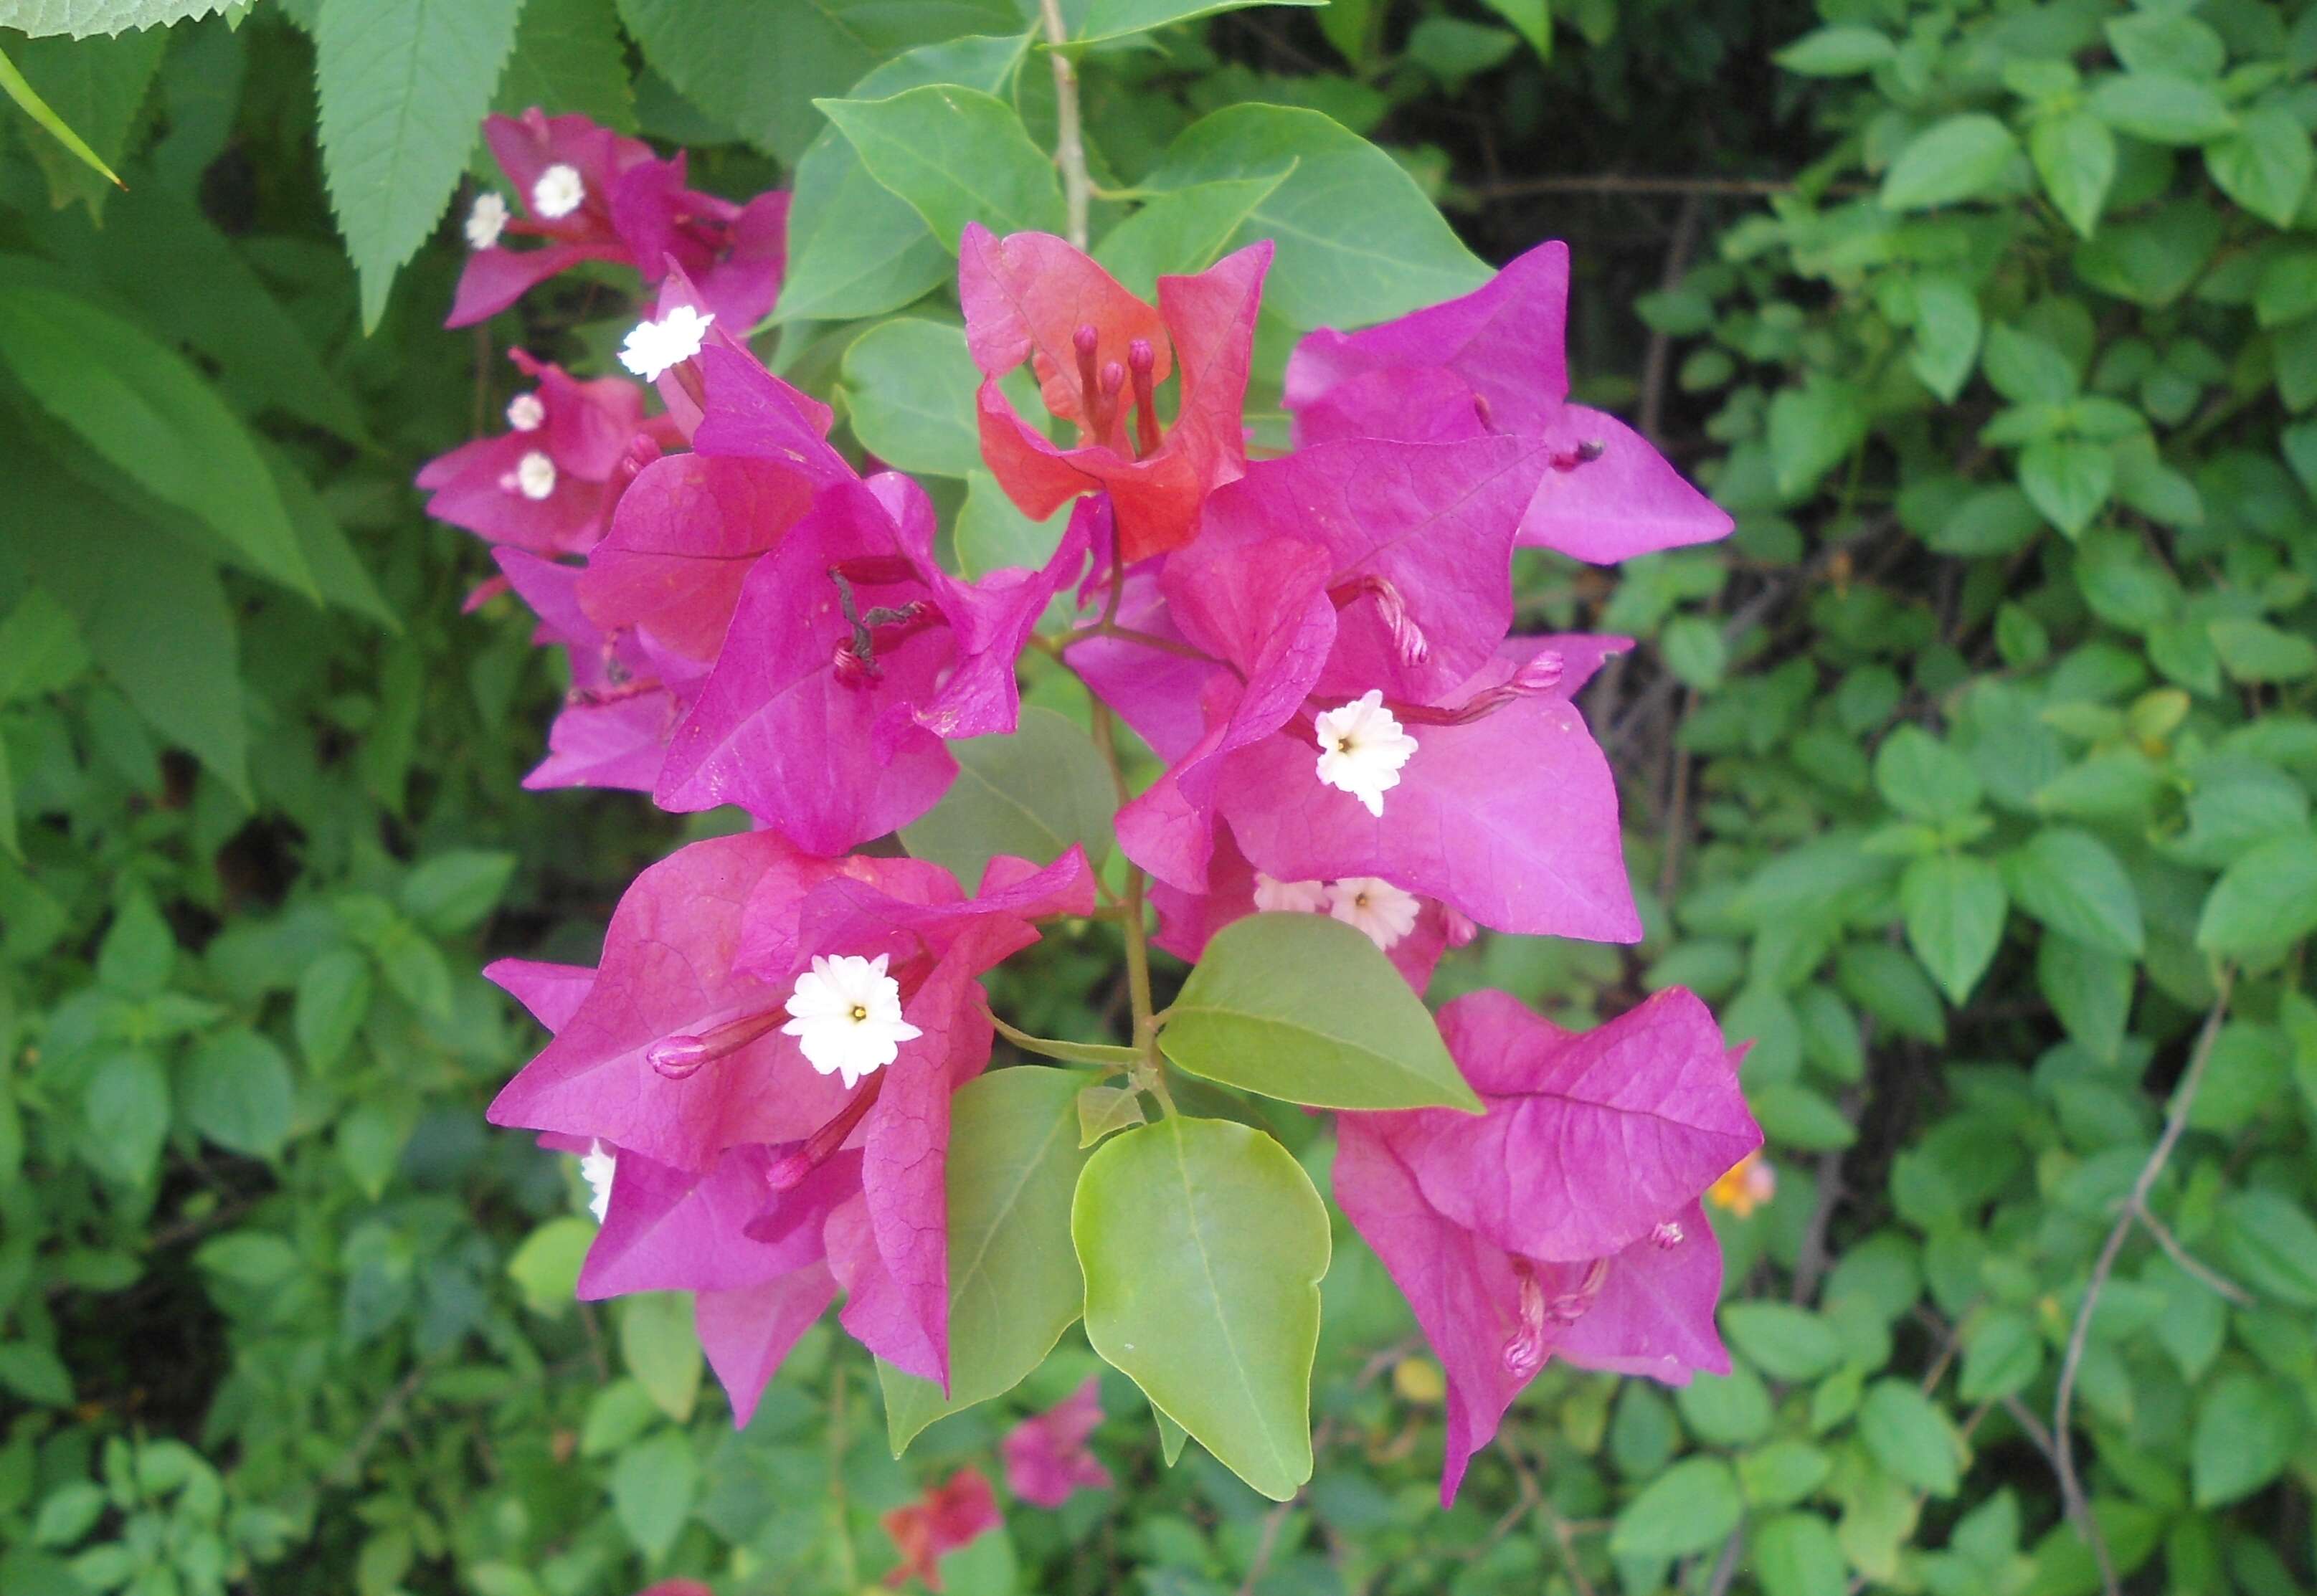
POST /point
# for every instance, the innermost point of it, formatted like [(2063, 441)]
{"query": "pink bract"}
[(1046, 1456), (948, 1516)]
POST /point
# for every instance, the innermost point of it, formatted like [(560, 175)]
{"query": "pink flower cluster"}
[(1319, 648)]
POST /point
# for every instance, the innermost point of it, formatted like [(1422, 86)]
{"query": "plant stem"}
[(1069, 144)]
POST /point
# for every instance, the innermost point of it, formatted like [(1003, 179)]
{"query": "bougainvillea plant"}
[(782, 1082)]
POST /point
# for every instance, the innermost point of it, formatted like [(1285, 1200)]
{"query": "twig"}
[(2194, 1267), (2063, 1453), (1652, 415), (1069, 143), (1725, 1566), (348, 1468), (1611, 182)]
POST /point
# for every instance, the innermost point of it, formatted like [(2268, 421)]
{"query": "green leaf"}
[(2089, 990), (1786, 1342), (2161, 107), (909, 390), (1842, 51), (992, 535), (1203, 1244), (1103, 1110), (402, 84), (1013, 1283), (546, 1267), (2271, 1244), (2028, 370), (87, 96), (1946, 332), (151, 415), (125, 1106), (139, 949), (239, 1093), (451, 892), (956, 155), (35, 1373), (1782, 1473), (1960, 158), (334, 995), (2266, 164), (2068, 479), (1954, 907), (855, 249), (81, 19), (1796, 1117), (2267, 899), (2286, 288), (1185, 231), (1814, 428), (1303, 1008), (2075, 155), (1911, 1438), (569, 57), (370, 1139), (1033, 794), (661, 1350), (2153, 259), (2070, 880), (2002, 1355), (1922, 778), (40, 648), (1455, 50), (653, 1487), (1797, 1554), (1691, 1507), (2246, 1430), (1357, 241), (1532, 19), (760, 66), (2255, 651), (1089, 21)]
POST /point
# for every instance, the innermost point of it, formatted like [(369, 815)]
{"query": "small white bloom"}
[(558, 192), (846, 1014), (597, 1167), (653, 346), (1275, 896), (1362, 749), (1377, 909), (534, 475), (487, 220), (525, 413)]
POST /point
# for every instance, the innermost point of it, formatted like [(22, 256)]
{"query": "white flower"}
[(558, 192), (1377, 909), (487, 220), (597, 1167), (534, 475), (653, 346), (1362, 749), (525, 413), (1275, 896), (846, 1014)]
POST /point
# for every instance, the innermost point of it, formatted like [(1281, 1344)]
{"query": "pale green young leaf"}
[(909, 387), (956, 155), (1183, 231), (1963, 157), (1953, 905)]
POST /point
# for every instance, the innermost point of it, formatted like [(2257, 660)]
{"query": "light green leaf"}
[(40, 648), (2267, 899), (1357, 241), (1954, 906), (1089, 21), (2071, 882), (1911, 1438), (125, 1107), (992, 535), (1814, 428), (35, 1373), (1103, 1110), (151, 413), (1797, 1554), (2068, 480), (80, 19), (2161, 107), (1032, 794), (2255, 651), (909, 388), (2002, 1353), (760, 66), (1946, 332), (239, 1093), (1303, 1008), (1784, 1342), (956, 155), (653, 1487), (402, 84), (569, 57), (86, 95), (1961, 158), (2246, 1430), (546, 1267), (661, 1350), (1532, 19), (1842, 51), (2075, 155), (2266, 164), (334, 995), (453, 891), (1689, 1508), (1182, 232), (1203, 1244), (2269, 1243), (1922, 778), (1013, 1282)]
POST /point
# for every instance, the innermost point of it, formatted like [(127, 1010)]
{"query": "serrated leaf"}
[(80, 19), (569, 57), (86, 95), (1203, 1244), (1303, 1008), (403, 84)]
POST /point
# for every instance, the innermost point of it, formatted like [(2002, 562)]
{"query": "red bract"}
[(946, 1517), (1100, 355), (592, 195), (548, 483), (1493, 362), (1566, 1221), (851, 658), (1046, 1455), (743, 1171)]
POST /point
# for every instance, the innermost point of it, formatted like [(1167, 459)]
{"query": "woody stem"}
[(1070, 146)]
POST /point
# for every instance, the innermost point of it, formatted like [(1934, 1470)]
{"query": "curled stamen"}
[(1524, 1352), (1571, 1306), (1392, 608), (1665, 1236), (684, 1054), (1144, 361), (792, 1169), (1541, 673)]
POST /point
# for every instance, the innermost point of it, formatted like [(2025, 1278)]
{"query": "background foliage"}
[(1972, 778)]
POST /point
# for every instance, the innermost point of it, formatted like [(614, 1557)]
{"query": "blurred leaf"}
[(1691, 1507), (2266, 164), (239, 1093), (1953, 905), (2246, 1430), (451, 892), (654, 1486), (1841, 50), (1909, 1436), (1797, 1554), (659, 1349), (1033, 795), (2267, 899), (1960, 158), (569, 57), (2071, 882), (2161, 107), (2075, 155)]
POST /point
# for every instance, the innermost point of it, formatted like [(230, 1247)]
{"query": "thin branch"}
[(2204, 1273), (1069, 144), (2063, 1453)]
